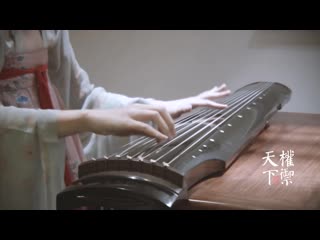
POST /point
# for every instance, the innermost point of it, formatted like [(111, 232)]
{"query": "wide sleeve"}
[(31, 158), (78, 92), (20, 121), (73, 82)]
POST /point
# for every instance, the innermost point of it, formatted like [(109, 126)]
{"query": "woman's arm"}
[(73, 82), (78, 91), (120, 122)]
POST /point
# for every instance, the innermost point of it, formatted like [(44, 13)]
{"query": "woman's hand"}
[(130, 120), (205, 99), (134, 119)]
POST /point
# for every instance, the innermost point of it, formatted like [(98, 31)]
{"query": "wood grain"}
[(244, 186)]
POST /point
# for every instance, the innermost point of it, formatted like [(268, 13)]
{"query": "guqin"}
[(145, 174)]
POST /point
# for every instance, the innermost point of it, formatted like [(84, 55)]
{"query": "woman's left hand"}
[(205, 99)]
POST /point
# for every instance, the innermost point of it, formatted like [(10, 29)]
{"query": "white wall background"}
[(170, 64)]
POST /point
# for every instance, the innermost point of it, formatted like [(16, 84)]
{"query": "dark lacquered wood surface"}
[(244, 186)]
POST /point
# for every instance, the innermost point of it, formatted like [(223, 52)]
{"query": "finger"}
[(217, 89), (208, 103), (154, 116), (221, 87), (220, 94), (168, 119), (214, 88), (145, 129), (165, 116), (215, 92), (217, 105), (158, 119)]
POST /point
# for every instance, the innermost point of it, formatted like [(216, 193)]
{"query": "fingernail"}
[(161, 139), (164, 138)]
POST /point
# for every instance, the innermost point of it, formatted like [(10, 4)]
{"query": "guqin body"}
[(149, 175)]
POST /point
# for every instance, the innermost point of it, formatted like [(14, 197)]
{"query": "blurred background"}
[(171, 64)]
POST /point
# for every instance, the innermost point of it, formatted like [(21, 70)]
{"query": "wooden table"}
[(244, 186)]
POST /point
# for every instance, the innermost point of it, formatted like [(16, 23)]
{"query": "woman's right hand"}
[(130, 120)]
